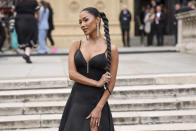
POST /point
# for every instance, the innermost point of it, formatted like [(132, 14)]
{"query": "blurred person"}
[(125, 19), (2, 30), (193, 6), (12, 31), (165, 14), (153, 4), (159, 25), (14, 41), (175, 23), (51, 28), (26, 26), (188, 7), (93, 64), (148, 7), (43, 27), (149, 26), (140, 21)]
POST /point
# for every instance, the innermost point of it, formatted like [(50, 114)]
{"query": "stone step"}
[(51, 83), (155, 127), (154, 91), (156, 79), (53, 107), (122, 92), (41, 83), (120, 118), (158, 127)]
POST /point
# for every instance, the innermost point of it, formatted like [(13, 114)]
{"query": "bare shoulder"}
[(75, 45), (114, 49)]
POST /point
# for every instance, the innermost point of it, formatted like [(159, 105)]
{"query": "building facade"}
[(66, 17)]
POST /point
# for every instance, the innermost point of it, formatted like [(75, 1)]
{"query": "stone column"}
[(187, 32), (131, 5)]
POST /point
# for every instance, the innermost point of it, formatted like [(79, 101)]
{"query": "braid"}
[(107, 35)]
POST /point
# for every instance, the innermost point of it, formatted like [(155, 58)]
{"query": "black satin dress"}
[(83, 98)]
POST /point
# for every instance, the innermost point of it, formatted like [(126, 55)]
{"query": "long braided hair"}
[(102, 15)]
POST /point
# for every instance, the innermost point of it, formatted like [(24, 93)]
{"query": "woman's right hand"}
[(104, 79)]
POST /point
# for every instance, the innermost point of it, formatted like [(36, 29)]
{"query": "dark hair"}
[(102, 15), (43, 2)]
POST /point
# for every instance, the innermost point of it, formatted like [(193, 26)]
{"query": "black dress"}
[(26, 24), (83, 98)]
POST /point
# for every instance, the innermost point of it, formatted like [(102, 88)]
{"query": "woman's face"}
[(87, 22)]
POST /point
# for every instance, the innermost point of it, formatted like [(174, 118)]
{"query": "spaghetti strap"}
[(80, 43)]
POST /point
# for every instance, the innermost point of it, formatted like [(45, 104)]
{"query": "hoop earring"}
[(97, 30)]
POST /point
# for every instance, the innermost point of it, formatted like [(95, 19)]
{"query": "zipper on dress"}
[(87, 67)]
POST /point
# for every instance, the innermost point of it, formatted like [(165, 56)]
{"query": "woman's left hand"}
[(95, 116)]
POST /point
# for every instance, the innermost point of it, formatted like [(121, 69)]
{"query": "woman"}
[(149, 27), (43, 28), (92, 63), (27, 35)]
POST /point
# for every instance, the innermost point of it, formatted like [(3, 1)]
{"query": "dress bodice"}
[(93, 68)]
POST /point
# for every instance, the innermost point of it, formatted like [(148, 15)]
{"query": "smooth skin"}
[(90, 48)]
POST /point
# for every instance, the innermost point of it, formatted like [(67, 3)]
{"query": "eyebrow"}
[(84, 17)]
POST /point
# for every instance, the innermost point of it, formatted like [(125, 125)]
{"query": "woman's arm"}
[(73, 74)]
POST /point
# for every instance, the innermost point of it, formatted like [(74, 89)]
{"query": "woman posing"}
[(93, 64)]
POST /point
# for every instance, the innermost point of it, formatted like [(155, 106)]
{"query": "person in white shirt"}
[(43, 27), (149, 19)]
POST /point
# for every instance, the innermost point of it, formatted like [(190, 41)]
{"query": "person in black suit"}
[(159, 25), (125, 19)]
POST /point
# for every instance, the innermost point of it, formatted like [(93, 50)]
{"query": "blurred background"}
[(66, 15), (155, 87)]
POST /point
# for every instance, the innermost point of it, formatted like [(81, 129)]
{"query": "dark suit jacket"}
[(50, 19), (125, 20), (161, 21)]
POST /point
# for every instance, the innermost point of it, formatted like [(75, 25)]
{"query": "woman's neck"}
[(93, 36)]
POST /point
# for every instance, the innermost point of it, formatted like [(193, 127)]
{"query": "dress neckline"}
[(91, 57)]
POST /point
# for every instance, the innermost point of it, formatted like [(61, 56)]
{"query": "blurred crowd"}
[(152, 21), (28, 25)]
